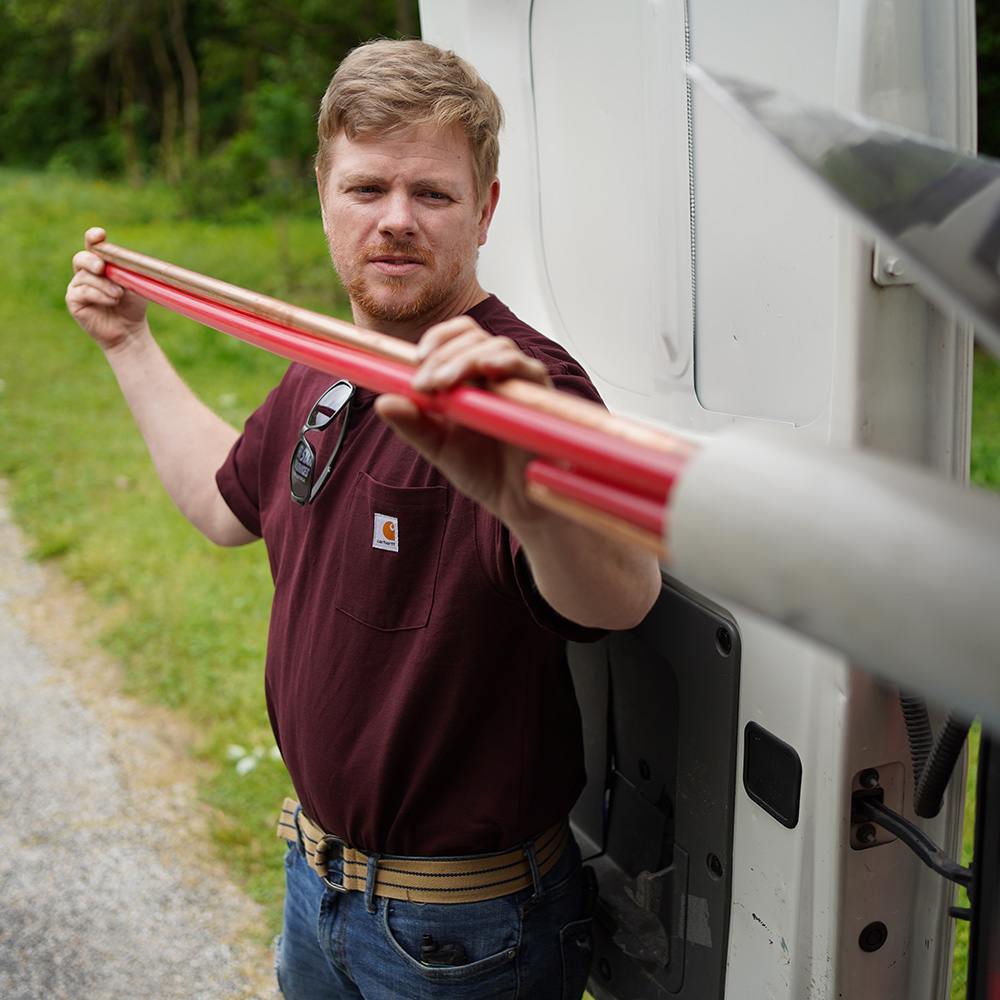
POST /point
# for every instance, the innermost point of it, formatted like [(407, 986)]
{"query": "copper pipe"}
[(625, 471)]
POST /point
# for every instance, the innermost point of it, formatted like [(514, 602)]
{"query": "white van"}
[(744, 777)]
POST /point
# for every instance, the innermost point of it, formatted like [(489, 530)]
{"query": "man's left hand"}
[(452, 353), (588, 578)]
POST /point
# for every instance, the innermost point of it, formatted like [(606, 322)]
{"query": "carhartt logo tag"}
[(386, 533)]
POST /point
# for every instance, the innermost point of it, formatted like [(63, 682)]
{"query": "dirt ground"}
[(108, 887)]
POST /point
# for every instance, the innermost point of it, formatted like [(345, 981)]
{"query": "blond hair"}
[(392, 86)]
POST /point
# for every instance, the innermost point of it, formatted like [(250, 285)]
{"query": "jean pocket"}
[(484, 936), (577, 946), (391, 554)]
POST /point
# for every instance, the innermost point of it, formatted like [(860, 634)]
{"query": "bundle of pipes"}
[(897, 568), (593, 467)]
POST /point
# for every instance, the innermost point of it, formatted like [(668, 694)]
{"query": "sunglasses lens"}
[(330, 404), (303, 461)]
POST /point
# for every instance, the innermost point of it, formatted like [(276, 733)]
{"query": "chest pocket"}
[(392, 554)]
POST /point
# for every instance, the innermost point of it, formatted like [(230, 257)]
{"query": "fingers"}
[(107, 311), (87, 267), (88, 285), (87, 289), (408, 420), (425, 432), (86, 259), (459, 350), (94, 235)]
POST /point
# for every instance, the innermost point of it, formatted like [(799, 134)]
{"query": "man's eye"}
[(435, 196)]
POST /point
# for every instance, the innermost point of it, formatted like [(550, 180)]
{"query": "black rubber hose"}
[(940, 765), (918, 729)]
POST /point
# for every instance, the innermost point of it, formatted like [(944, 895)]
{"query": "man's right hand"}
[(112, 315), (186, 440)]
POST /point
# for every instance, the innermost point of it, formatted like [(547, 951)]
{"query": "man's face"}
[(404, 225)]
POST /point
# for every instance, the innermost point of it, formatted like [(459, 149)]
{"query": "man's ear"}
[(489, 207), (322, 206)]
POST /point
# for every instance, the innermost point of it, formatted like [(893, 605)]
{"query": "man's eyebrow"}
[(350, 180), (432, 183)]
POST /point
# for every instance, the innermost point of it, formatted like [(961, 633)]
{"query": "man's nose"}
[(398, 219)]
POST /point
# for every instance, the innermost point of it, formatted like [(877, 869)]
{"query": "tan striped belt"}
[(423, 880)]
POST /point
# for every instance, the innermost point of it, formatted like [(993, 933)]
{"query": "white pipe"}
[(897, 568)]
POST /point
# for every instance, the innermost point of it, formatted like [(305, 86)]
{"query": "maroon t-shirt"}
[(416, 681)]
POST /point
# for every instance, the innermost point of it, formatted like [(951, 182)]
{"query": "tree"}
[(196, 91), (988, 39)]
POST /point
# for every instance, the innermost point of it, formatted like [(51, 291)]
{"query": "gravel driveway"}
[(107, 888)]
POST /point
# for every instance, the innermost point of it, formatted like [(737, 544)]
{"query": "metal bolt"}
[(724, 640), (894, 267), (867, 833), (869, 778)]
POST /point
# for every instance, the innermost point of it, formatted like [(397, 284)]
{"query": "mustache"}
[(395, 248)]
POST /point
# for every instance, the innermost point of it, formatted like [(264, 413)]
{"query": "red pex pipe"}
[(643, 512), (635, 469), (373, 372)]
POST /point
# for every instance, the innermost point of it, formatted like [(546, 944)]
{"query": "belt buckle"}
[(327, 840)]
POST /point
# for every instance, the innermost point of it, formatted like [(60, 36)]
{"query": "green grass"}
[(985, 445), (188, 621), (960, 964)]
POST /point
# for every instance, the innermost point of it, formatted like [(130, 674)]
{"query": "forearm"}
[(186, 440), (588, 578)]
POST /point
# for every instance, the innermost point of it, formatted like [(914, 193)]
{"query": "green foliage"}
[(988, 69), (960, 966), (218, 96), (41, 111), (187, 620), (100, 86), (985, 444)]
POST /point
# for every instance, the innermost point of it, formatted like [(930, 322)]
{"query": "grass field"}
[(187, 621)]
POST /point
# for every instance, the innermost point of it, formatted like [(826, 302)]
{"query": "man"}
[(416, 676)]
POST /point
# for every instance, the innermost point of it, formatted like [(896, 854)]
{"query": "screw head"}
[(724, 640), (867, 833)]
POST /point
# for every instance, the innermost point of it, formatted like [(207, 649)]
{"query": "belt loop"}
[(536, 879), (371, 877), (301, 844)]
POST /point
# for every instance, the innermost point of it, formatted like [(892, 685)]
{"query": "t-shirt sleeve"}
[(239, 477), (506, 566), (542, 611), (234, 493)]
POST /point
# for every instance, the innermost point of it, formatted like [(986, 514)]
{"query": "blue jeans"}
[(530, 945)]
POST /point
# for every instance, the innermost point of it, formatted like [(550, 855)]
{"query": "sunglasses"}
[(301, 474)]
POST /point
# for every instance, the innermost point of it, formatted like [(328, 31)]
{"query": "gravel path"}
[(107, 887)]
